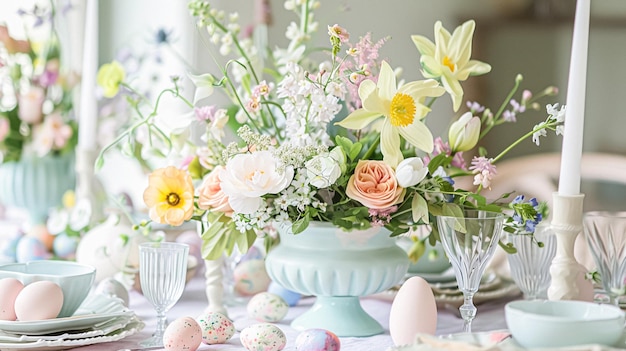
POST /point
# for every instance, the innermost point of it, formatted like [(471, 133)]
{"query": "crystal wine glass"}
[(162, 271), (470, 242), (605, 233), (530, 265)]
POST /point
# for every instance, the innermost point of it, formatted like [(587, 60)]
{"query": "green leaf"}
[(454, 210), (439, 160), (300, 225), (419, 209), (355, 149)]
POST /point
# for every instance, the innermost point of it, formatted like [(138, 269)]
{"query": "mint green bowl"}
[(75, 279), (543, 323)]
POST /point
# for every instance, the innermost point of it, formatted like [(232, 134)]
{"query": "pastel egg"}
[(29, 249), (113, 287), (263, 336), (413, 311), (39, 300), (251, 277), (216, 328), (9, 289), (64, 245), (267, 307), (184, 333), (317, 340), (290, 297)]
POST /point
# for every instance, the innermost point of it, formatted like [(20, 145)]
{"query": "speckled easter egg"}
[(263, 336), (183, 333), (267, 307), (317, 340), (216, 328), (251, 277), (290, 297)]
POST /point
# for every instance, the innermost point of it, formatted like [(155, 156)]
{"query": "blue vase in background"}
[(337, 267), (37, 184)]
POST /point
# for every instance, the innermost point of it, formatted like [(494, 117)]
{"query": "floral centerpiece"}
[(38, 131), (36, 94), (342, 139)]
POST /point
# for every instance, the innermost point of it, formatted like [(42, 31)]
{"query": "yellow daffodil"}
[(169, 196), (109, 77), (403, 109), (448, 59)]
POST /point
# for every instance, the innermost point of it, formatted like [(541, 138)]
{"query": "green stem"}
[(502, 108), (372, 148)]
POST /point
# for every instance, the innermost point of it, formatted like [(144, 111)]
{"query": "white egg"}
[(267, 307), (9, 289), (263, 336), (414, 311), (182, 334), (39, 300)]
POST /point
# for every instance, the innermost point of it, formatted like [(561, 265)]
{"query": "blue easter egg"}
[(64, 245), (31, 249), (317, 340), (290, 297), (8, 247), (254, 253)]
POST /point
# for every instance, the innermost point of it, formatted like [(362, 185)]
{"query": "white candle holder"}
[(566, 223), (87, 185)]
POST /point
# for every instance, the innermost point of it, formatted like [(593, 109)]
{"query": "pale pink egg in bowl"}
[(74, 279)]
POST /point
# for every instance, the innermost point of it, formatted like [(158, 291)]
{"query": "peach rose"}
[(210, 194), (374, 185)]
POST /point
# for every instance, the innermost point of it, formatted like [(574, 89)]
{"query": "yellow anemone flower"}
[(110, 76), (169, 196), (449, 59), (403, 109)]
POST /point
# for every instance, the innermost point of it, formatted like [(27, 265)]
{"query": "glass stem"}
[(161, 323), (468, 311)]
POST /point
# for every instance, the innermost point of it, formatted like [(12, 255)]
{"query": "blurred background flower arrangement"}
[(36, 91), (320, 134)]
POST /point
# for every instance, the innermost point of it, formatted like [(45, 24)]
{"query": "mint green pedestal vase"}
[(337, 267), (37, 184)]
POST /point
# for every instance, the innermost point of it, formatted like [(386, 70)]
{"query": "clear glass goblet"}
[(605, 233), (530, 265), (162, 271), (470, 243)]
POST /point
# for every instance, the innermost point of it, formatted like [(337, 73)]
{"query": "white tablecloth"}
[(490, 317)]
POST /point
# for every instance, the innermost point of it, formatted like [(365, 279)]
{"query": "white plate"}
[(102, 329), (96, 310), (61, 344), (443, 277)]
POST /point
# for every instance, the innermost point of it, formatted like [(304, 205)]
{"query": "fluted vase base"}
[(354, 321)]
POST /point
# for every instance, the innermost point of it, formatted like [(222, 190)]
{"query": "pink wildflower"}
[(338, 32), (253, 105), (262, 89), (4, 128), (205, 113), (483, 170), (381, 217)]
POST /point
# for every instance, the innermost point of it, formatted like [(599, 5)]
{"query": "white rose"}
[(410, 172), (247, 177), (323, 170)]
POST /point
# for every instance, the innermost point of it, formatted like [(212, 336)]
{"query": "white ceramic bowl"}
[(542, 323), (75, 279)]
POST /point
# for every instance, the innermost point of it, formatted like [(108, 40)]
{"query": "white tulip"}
[(410, 172)]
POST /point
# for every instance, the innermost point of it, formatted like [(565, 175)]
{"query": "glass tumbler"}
[(530, 265), (605, 233), (162, 272)]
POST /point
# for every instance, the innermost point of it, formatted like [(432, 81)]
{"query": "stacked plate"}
[(99, 319), (447, 293)]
